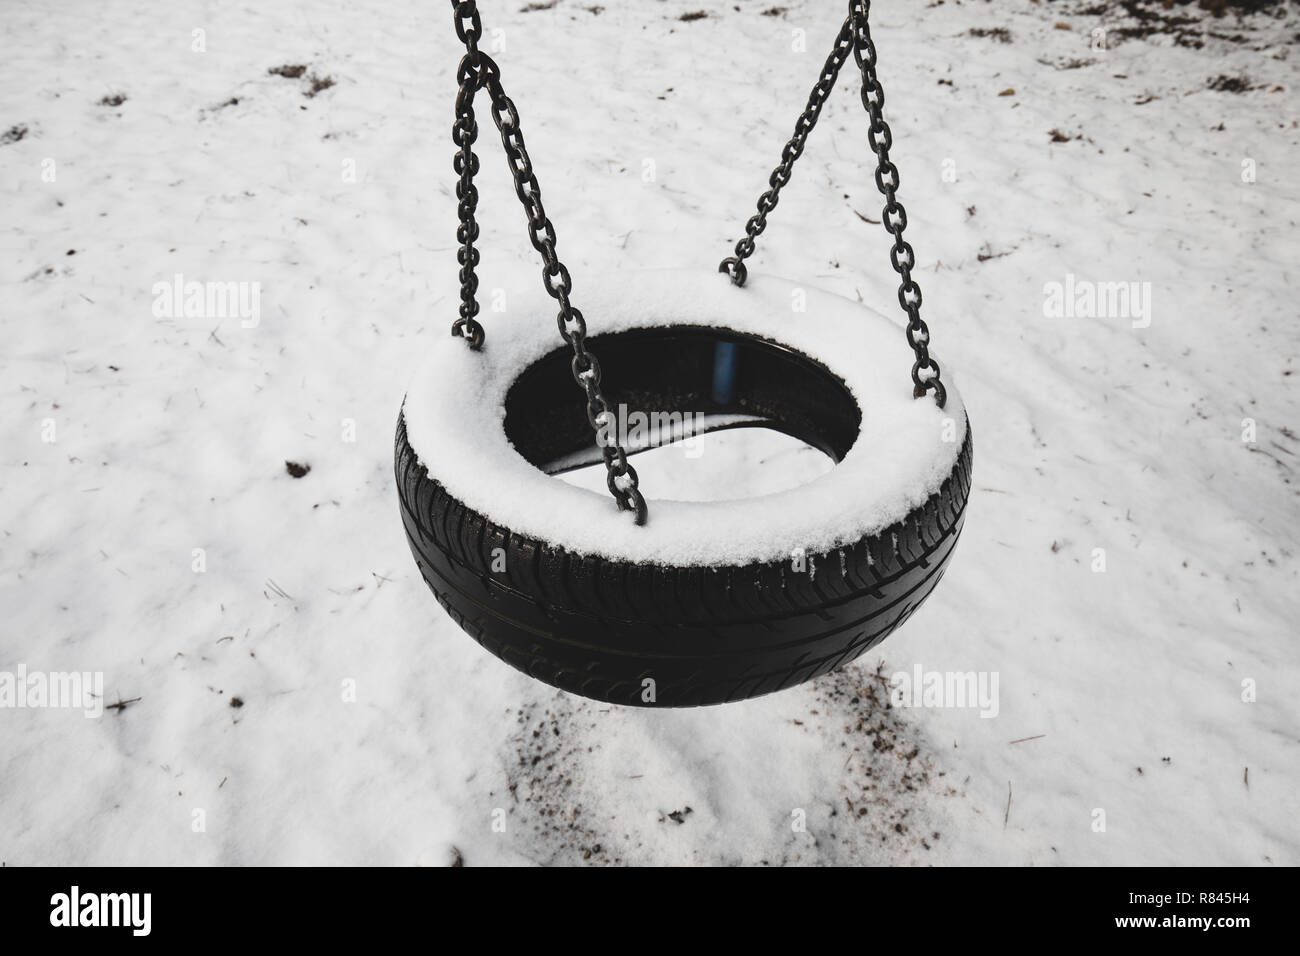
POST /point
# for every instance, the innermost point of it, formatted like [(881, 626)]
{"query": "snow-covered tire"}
[(708, 601), (651, 635)]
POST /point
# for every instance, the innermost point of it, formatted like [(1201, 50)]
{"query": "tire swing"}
[(705, 602)]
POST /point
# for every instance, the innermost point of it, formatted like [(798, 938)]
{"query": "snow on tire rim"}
[(701, 605)]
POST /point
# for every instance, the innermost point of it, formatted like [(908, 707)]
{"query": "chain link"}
[(925, 370), (855, 36), (471, 75), (478, 71), (735, 265)]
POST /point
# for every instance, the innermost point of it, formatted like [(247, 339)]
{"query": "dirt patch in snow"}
[(544, 781), (1188, 23), (874, 778), (890, 773)]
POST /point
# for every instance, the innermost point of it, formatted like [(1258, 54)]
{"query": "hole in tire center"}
[(719, 466), (747, 414)]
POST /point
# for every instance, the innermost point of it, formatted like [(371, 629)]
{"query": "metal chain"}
[(478, 70), (735, 265), (925, 370), (472, 75), (857, 30)]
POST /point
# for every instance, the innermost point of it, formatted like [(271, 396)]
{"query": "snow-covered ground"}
[(370, 729)]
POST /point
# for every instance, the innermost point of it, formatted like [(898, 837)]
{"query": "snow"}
[(656, 433), (904, 451), (171, 434)]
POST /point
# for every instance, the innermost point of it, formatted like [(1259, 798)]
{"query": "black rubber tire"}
[(603, 628)]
